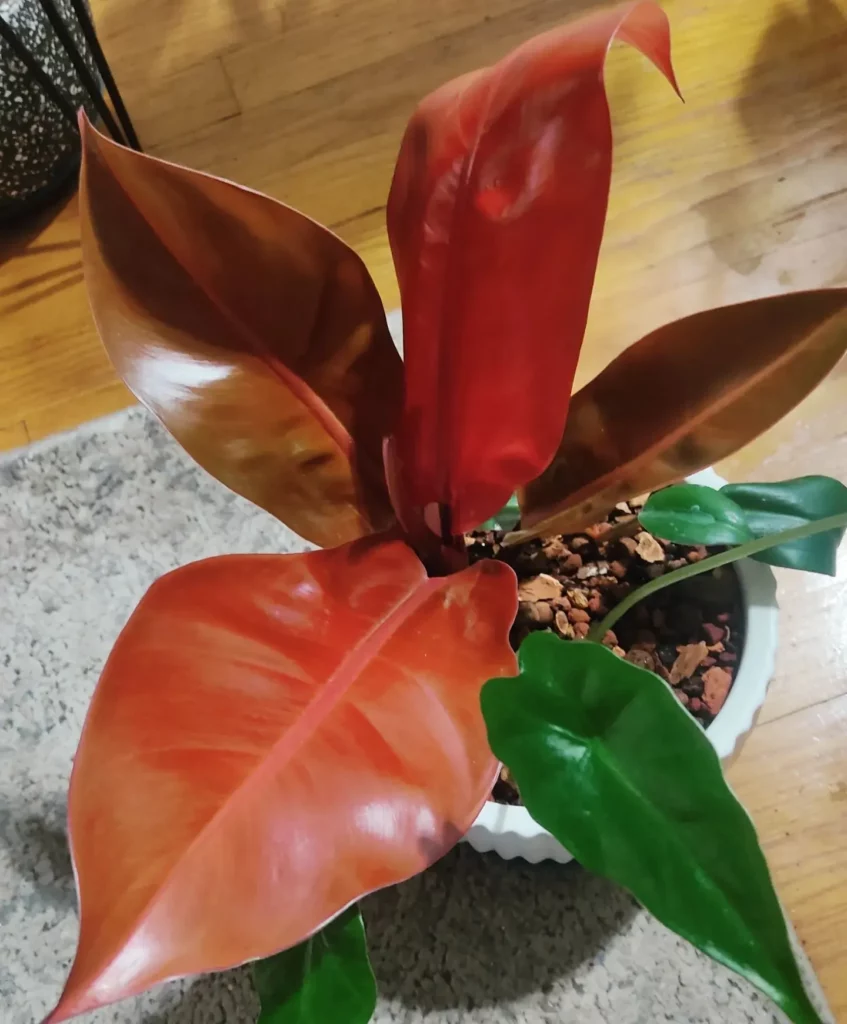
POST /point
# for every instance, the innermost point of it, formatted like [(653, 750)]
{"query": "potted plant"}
[(274, 736)]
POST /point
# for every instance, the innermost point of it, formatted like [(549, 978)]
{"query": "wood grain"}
[(792, 777), (741, 191)]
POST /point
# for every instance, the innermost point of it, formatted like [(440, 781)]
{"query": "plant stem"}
[(752, 547)]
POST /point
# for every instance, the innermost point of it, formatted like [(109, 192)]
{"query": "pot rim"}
[(510, 831)]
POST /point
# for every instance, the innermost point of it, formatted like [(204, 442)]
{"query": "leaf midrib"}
[(299, 389), (309, 720), (691, 423), (597, 752)]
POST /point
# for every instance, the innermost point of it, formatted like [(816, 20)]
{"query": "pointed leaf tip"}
[(657, 818), (313, 718), (273, 367), (712, 382)]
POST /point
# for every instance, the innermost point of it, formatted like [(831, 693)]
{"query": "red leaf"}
[(495, 217), (254, 334), (272, 737)]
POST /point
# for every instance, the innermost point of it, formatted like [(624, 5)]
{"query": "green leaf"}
[(693, 514), (771, 508), (326, 978), (609, 762), (506, 519)]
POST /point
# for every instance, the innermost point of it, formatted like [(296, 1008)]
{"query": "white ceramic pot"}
[(511, 832)]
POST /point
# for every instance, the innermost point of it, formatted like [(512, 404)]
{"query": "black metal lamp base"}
[(51, 64)]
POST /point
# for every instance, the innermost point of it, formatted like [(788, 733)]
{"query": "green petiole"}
[(752, 547)]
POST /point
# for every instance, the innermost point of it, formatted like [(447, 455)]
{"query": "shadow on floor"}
[(473, 931)]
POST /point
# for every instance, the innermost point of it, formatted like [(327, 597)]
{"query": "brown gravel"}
[(691, 634)]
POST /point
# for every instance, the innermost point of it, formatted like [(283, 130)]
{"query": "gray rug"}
[(87, 522)]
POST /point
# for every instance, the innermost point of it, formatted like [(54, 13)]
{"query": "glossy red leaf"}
[(254, 334), (272, 737), (495, 218)]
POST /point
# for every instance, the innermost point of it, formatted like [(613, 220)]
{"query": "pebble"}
[(568, 583), (713, 634), (539, 588), (563, 625), (716, 684), (690, 657), (537, 611), (641, 658), (648, 548), (630, 544)]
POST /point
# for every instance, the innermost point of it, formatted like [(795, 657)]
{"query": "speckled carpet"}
[(86, 523)]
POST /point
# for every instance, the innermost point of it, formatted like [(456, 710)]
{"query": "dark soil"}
[(691, 634)]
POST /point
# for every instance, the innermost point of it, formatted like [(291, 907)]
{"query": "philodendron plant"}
[(275, 736)]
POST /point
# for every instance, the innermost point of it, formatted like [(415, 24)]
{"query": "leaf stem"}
[(752, 547)]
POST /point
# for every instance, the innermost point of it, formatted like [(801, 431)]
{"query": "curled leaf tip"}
[(501, 165)]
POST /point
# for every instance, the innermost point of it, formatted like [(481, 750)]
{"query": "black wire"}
[(8, 34), (93, 42), (85, 76)]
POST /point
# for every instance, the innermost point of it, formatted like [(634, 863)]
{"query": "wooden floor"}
[(740, 192)]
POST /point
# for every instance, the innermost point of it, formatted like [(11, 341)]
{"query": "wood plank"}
[(724, 209), (163, 37), (792, 778), (346, 37), (346, 130), (187, 100), (13, 435), (48, 348), (81, 407)]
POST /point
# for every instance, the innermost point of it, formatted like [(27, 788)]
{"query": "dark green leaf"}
[(771, 508), (325, 978), (506, 519), (611, 764), (692, 514)]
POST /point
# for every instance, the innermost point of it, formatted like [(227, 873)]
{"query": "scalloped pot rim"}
[(510, 831)]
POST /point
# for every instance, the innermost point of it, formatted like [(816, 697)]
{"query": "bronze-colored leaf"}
[(254, 334), (685, 396)]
